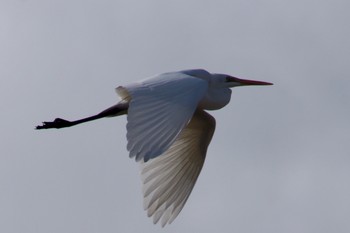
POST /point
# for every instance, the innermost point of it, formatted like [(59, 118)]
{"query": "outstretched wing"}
[(169, 178), (159, 108)]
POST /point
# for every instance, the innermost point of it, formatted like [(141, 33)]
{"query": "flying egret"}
[(168, 131)]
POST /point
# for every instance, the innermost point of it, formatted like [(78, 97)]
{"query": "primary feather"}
[(169, 179)]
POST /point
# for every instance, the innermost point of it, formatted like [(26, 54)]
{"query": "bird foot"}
[(57, 123)]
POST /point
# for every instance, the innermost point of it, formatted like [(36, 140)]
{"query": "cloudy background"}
[(279, 160)]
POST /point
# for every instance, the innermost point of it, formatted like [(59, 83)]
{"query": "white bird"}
[(169, 131)]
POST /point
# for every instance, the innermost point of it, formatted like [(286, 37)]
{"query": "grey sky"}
[(279, 160)]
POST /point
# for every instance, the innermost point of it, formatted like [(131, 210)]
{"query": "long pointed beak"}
[(246, 82)]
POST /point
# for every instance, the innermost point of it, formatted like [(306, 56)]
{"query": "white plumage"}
[(168, 132), (169, 179), (159, 108)]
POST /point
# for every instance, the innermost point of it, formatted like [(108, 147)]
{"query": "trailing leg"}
[(116, 110)]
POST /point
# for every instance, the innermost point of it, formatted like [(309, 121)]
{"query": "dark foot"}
[(57, 123)]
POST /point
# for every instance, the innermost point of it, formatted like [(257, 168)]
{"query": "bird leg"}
[(57, 123), (116, 110)]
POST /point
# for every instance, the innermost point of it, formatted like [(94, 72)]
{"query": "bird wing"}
[(159, 108), (169, 179)]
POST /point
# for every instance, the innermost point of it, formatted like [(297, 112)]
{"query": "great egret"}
[(169, 131)]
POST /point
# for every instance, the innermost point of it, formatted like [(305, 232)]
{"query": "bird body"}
[(168, 131)]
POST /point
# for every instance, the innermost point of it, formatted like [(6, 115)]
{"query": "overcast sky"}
[(280, 157)]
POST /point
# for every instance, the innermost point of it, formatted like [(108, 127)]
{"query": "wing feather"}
[(159, 108), (169, 179)]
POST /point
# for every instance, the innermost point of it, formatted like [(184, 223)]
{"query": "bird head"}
[(224, 80)]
